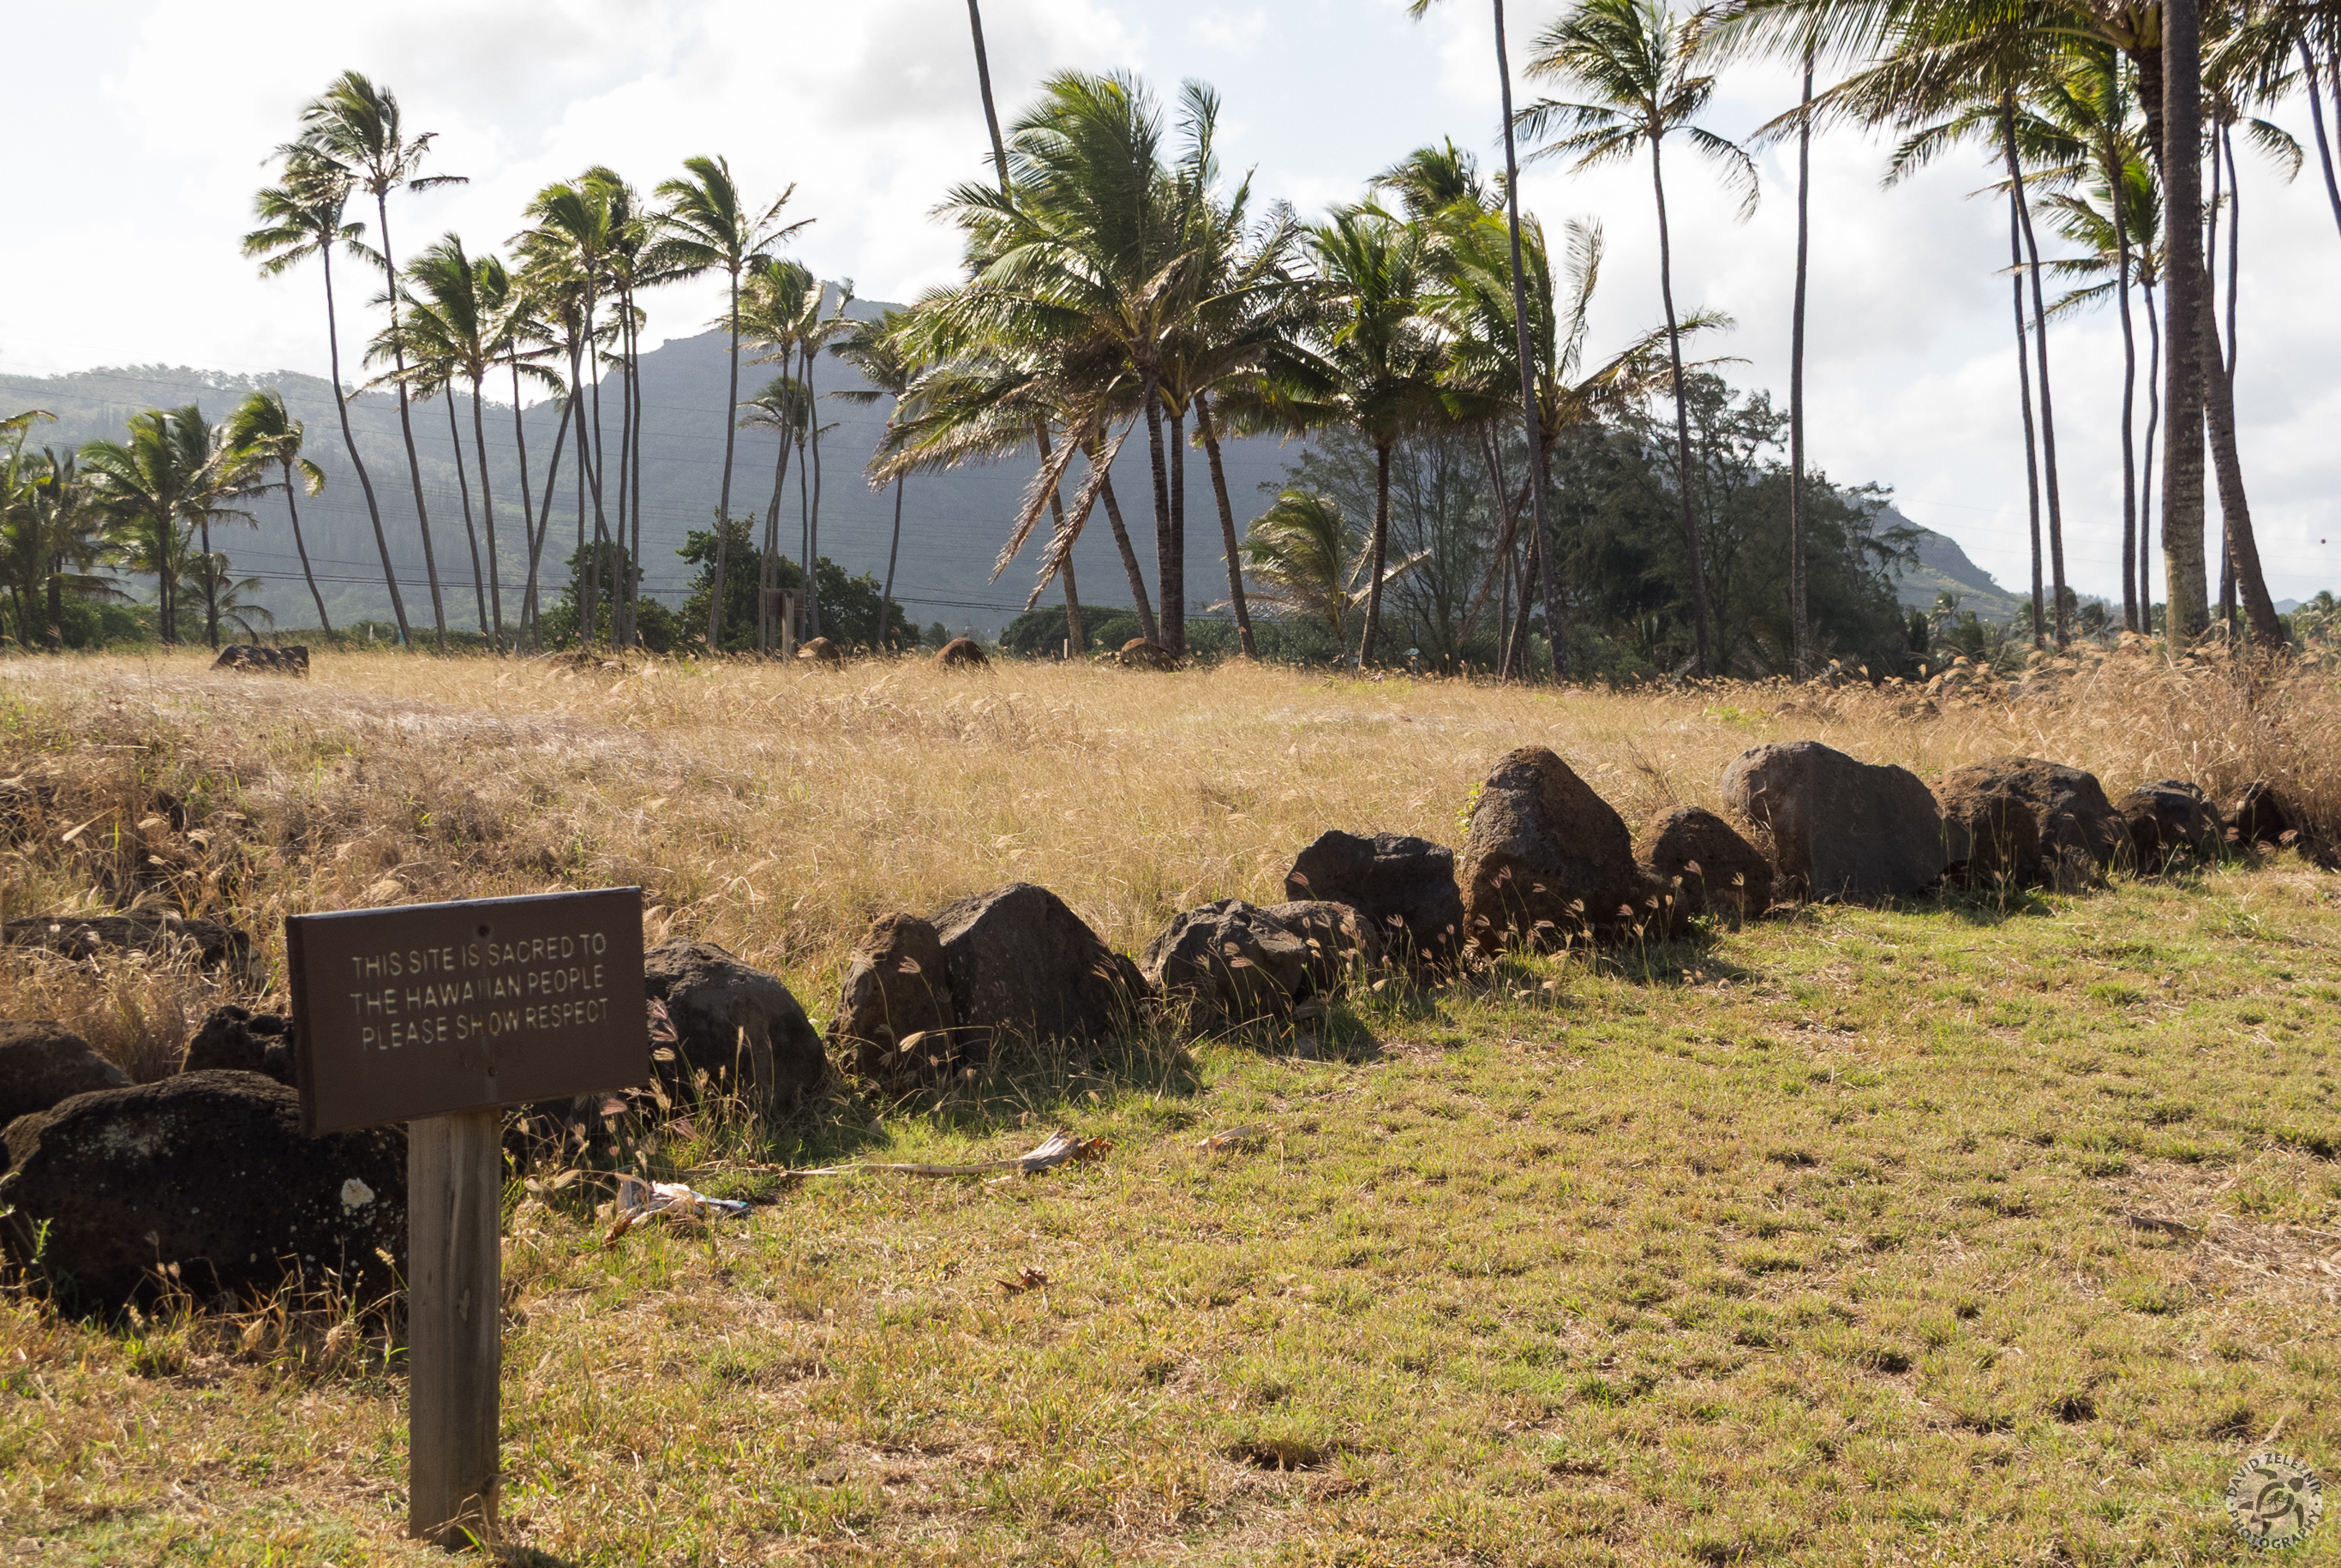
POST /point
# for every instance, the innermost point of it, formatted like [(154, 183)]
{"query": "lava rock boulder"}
[(1710, 864), (961, 653), (2171, 819), (2036, 823), (1842, 829), (206, 1174), (238, 1040), (289, 661), (157, 933), (895, 1021), (1235, 962), (1404, 887), (1017, 960), (1548, 861), (42, 1062), (736, 1023)]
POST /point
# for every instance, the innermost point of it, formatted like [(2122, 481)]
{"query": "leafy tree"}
[(160, 489)]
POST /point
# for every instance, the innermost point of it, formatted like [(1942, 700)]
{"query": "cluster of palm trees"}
[(1112, 278), (2099, 116), (145, 505), (564, 316)]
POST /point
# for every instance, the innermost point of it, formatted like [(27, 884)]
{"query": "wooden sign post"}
[(439, 1014)]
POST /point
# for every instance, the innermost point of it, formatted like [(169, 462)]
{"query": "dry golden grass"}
[(778, 809)]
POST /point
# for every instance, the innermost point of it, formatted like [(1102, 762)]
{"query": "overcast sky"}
[(139, 131)]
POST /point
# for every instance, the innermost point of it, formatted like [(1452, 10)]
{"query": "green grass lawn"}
[(1815, 1241)]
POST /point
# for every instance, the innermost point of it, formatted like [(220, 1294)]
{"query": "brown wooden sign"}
[(431, 1009)]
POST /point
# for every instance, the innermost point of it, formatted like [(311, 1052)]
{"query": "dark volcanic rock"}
[(1405, 888), (208, 1171), (42, 1063), (896, 990), (160, 933), (237, 1040), (288, 661), (1019, 961), (2260, 815), (2171, 819), (736, 1023), (1842, 829), (1141, 654), (960, 652), (2033, 822), (1235, 961), (1548, 861), (1709, 863)]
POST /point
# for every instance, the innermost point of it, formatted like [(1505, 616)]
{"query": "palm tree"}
[(229, 598), (433, 363), (457, 325), (1524, 353), (302, 218), (263, 428), (571, 241), (705, 227), (159, 488), (1081, 261), (1636, 62), (876, 349), (1311, 565), (355, 126), (52, 536), (785, 407), (1380, 355)]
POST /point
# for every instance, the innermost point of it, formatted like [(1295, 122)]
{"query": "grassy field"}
[(1974, 1231)]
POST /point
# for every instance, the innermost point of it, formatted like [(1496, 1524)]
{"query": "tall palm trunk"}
[(1799, 627), (635, 550), (812, 524), (768, 575), (618, 637), (2317, 121), (291, 505), (2226, 612), (2146, 469), (886, 594), (1380, 552), (1138, 594), (983, 83), (211, 583), (495, 625), (1169, 567), (2240, 573), (2189, 613), (1531, 419), (1491, 457), (2062, 614), (532, 607), (463, 488), (723, 495), (1682, 424), (595, 451), (1175, 416), (1516, 651), (2131, 610), (1074, 633), (1209, 428), (2023, 393), (1057, 518), (407, 420), (349, 441), (527, 513)]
